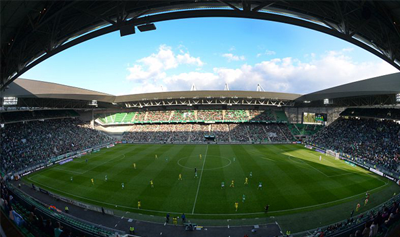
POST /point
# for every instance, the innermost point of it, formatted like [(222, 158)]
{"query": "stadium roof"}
[(207, 94), (24, 88), (373, 87), (382, 85), (32, 31)]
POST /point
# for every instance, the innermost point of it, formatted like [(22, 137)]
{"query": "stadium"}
[(78, 162)]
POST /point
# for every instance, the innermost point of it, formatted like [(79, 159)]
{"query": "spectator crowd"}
[(192, 116), (160, 133), (368, 140), (26, 144), (366, 225)]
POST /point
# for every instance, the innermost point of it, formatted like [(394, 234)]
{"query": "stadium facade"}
[(28, 95)]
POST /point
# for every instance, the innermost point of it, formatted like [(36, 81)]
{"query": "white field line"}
[(82, 172), (321, 204), (198, 186), (65, 170), (338, 175), (311, 167), (203, 214), (265, 158), (280, 229), (335, 175), (103, 163), (331, 161), (329, 176)]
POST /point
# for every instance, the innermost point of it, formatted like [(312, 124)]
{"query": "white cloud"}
[(183, 81), (292, 75), (147, 87), (154, 66), (232, 57), (267, 52), (279, 74), (187, 59)]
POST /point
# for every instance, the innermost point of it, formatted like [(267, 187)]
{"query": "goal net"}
[(334, 154)]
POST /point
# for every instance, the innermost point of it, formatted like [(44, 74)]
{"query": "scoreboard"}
[(314, 118), (320, 117)]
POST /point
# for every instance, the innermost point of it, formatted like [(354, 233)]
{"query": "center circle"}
[(225, 162)]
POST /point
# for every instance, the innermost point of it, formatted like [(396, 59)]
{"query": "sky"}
[(209, 53)]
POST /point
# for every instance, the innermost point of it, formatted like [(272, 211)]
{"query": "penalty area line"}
[(201, 175)]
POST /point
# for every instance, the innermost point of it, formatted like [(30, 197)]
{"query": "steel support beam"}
[(206, 13)]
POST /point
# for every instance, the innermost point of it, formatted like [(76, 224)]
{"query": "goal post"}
[(334, 154)]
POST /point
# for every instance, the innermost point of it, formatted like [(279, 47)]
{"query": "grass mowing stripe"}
[(66, 170), (310, 166), (221, 214), (275, 195), (331, 202), (103, 163), (164, 173), (201, 175), (175, 188), (285, 180)]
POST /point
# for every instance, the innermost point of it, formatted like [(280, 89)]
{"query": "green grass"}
[(294, 180)]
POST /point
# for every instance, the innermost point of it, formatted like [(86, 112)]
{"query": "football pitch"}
[(293, 179)]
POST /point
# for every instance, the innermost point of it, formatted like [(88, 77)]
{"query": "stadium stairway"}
[(269, 139), (248, 133), (287, 139), (294, 125), (190, 131), (293, 129), (171, 115)]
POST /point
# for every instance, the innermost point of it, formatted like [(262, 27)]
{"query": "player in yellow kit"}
[(151, 183), (232, 184), (246, 181), (139, 204), (92, 181), (200, 156), (134, 165), (358, 206), (180, 177), (236, 205)]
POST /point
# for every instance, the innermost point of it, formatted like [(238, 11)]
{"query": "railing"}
[(66, 219), (190, 121), (348, 227), (52, 161), (363, 163)]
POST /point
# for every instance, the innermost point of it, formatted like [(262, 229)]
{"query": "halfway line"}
[(201, 175)]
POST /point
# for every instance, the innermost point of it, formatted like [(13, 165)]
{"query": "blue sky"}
[(210, 52)]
